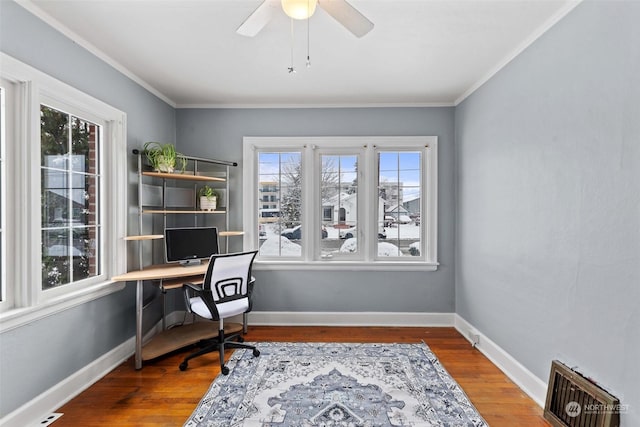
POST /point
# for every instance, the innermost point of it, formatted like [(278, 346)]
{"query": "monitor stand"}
[(190, 262)]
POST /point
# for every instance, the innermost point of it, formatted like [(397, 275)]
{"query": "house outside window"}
[(342, 201)]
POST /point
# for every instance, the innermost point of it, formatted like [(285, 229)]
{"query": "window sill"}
[(17, 317), (344, 266)]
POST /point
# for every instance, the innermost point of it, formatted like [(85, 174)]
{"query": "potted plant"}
[(164, 157), (208, 198)]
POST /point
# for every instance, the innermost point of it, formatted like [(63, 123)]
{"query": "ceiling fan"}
[(340, 10)]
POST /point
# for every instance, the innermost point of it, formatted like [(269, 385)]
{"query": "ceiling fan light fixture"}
[(299, 9)]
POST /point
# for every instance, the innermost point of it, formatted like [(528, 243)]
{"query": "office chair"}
[(224, 293)]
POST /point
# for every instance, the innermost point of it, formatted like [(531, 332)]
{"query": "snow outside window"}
[(280, 212), (341, 201), (339, 193)]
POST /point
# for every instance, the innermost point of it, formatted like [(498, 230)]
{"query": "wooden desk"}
[(169, 276)]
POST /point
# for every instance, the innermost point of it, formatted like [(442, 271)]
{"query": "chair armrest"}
[(190, 290), (189, 285), (250, 286)]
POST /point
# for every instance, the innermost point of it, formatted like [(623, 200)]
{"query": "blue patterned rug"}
[(335, 385)]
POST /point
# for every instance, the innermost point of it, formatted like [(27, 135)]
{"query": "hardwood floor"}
[(161, 395)]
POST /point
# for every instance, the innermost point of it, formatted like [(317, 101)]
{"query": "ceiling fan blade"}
[(259, 18), (348, 16)]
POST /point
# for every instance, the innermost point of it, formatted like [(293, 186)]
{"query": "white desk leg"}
[(139, 292)]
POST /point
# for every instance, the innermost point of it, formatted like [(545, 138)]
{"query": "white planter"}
[(165, 165), (208, 204)]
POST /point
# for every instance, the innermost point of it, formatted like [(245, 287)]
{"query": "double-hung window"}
[(63, 176), (341, 201)]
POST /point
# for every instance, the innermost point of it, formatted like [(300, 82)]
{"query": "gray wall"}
[(218, 133), (37, 356), (548, 205)]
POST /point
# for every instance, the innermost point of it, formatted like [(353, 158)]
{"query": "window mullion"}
[(69, 216), (430, 192), (366, 190), (308, 203), (29, 248), (318, 213), (280, 199)]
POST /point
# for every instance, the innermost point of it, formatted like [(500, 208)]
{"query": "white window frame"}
[(367, 181), (29, 302), (8, 94)]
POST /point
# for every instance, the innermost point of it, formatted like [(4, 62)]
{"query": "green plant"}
[(208, 192), (164, 157)]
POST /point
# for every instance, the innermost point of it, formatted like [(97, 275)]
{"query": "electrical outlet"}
[(50, 419), (474, 338)]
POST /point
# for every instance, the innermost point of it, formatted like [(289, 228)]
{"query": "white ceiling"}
[(420, 52)]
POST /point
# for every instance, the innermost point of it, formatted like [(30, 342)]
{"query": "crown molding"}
[(562, 12), (318, 105), (67, 32)]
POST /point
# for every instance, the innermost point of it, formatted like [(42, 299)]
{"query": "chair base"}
[(219, 344)]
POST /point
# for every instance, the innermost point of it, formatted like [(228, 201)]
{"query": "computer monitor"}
[(189, 246)]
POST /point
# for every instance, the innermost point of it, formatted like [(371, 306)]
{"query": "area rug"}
[(335, 385)]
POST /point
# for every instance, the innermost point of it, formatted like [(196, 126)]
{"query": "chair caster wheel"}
[(256, 352), (183, 366), (240, 339), (225, 370)]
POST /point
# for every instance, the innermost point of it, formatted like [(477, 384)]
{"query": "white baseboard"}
[(533, 386), (31, 413), (297, 318)]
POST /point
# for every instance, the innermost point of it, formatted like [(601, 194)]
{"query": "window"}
[(63, 176), (70, 182), (341, 201), (280, 178), (399, 196), (338, 176)]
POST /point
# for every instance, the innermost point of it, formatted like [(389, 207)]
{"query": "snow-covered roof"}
[(397, 208)]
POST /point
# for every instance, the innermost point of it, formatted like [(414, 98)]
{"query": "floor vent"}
[(574, 401)]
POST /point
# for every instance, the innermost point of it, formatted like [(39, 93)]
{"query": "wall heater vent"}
[(574, 401)]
